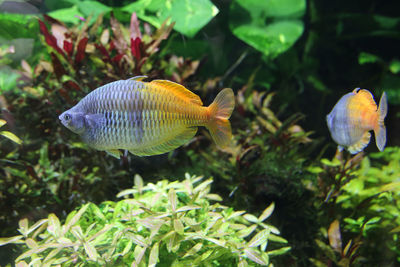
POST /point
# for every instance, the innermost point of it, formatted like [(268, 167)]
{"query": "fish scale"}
[(147, 118)]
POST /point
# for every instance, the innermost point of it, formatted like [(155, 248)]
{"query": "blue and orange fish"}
[(147, 118), (353, 116)]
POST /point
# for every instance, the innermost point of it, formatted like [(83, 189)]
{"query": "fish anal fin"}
[(170, 144), (138, 78), (179, 90), (114, 152), (361, 144)]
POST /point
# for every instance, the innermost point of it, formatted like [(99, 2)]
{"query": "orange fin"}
[(179, 90), (365, 94), (221, 110), (361, 144), (380, 129)]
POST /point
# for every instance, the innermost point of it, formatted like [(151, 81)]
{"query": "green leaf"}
[(68, 15), (138, 181), (259, 238), (394, 66), (17, 26), (250, 218), (91, 251), (255, 256), (172, 199), (279, 251), (11, 136), (93, 8), (73, 218), (270, 26), (189, 16), (2, 122), (365, 58), (267, 212), (153, 258), (9, 240), (178, 226), (53, 225)]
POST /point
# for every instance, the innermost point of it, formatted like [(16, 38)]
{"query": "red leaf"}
[(112, 46), (72, 85), (103, 50), (50, 39), (68, 47), (57, 66), (117, 58), (135, 48), (80, 54)]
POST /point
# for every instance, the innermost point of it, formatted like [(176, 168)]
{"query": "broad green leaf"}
[(153, 258), (276, 238), (137, 239), (93, 8), (2, 122), (138, 253), (17, 26), (23, 226), (259, 238), (36, 225), (270, 26), (277, 252), (245, 232), (267, 212), (73, 218), (194, 250), (11, 136), (68, 15), (189, 16)]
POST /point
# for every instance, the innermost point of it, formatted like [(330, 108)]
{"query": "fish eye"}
[(67, 117)]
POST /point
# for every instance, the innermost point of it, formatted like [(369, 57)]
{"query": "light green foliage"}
[(8, 134), (365, 193), (189, 16), (270, 26), (163, 224)]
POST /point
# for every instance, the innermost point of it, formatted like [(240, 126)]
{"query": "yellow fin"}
[(114, 152), (361, 144), (179, 90), (138, 78), (171, 143)]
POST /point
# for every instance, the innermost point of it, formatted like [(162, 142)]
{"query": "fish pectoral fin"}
[(138, 78), (115, 153), (166, 145), (361, 144), (178, 90)]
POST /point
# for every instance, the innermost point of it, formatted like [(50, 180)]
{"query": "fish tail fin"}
[(220, 111), (380, 129)]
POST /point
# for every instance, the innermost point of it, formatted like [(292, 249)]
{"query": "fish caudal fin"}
[(361, 144), (220, 110), (380, 129)]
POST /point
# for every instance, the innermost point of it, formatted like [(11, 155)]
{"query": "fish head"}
[(75, 121)]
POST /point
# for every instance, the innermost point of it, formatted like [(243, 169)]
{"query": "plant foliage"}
[(163, 224)]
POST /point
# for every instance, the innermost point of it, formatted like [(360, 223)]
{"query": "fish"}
[(354, 116), (147, 118)]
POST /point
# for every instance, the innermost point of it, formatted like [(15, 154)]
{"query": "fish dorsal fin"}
[(365, 94), (179, 90), (167, 145), (361, 144), (138, 78)]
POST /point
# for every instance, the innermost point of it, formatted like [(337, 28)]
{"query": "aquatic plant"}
[(170, 223), (360, 199)]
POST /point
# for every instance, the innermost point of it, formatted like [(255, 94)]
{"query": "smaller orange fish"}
[(353, 116)]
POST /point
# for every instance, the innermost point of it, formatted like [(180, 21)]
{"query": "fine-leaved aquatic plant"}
[(163, 224)]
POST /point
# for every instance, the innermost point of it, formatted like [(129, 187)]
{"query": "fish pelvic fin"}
[(380, 129), (178, 90), (220, 111), (114, 152), (361, 144)]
